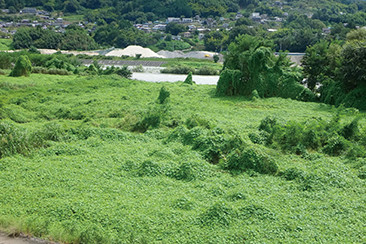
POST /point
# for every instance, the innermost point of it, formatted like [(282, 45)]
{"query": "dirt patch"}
[(22, 239)]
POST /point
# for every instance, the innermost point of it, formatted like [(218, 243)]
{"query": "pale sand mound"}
[(133, 50)]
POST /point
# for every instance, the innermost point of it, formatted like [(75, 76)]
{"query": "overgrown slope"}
[(82, 172)]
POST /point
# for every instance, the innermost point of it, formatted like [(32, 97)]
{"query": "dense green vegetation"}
[(76, 167), (273, 153), (251, 67), (337, 71), (74, 38)]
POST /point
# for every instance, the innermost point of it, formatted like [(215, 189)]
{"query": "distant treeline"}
[(140, 10)]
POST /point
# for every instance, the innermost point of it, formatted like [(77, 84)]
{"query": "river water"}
[(156, 77)]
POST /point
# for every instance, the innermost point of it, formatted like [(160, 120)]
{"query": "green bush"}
[(151, 119), (197, 120), (189, 171), (52, 71), (6, 60), (149, 168), (23, 67), (315, 134), (250, 159), (206, 70), (124, 72), (189, 79), (218, 214), (216, 58), (164, 94), (336, 145)]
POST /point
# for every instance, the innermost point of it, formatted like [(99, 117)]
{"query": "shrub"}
[(255, 94), (292, 174), (336, 145), (197, 120), (189, 171), (151, 119), (351, 131), (124, 72), (149, 168), (206, 70), (23, 67), (6, 60), (216, 58), (163, 95), (250, 159), (42, 70), (189, 80), (218, 214), (180, 69)]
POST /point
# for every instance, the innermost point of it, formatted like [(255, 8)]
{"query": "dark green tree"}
[(23, 67), (175, 28)]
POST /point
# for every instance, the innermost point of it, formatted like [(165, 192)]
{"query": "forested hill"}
[(153, 9)]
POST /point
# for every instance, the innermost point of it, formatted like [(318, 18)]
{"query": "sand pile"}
[(132, 51)]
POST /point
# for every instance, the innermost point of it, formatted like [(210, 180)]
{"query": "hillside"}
[(98, 160)]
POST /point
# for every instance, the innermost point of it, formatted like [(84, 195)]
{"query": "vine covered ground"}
[(100, 160)]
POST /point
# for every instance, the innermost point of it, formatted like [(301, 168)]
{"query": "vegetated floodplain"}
[(100, 160)]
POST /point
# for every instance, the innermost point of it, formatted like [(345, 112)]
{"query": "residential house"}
[(238, 15), (28, 11), (187, 34), (256, 17), (171, 20), (159, 27), (192, 28), (176, 38), (187, 20)]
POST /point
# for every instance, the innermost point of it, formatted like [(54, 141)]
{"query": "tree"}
[(354, 63), (250, 64), (23, 67), (175, 28), (22, 39), (215, 41), (315, 63)]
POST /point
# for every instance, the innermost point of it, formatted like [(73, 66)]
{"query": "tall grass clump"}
[(17, 140)]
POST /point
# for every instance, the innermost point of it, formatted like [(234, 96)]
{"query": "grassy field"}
[(74, 169), (5, 44)]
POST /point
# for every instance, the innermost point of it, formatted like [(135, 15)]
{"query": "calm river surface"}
[(199, 79)]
